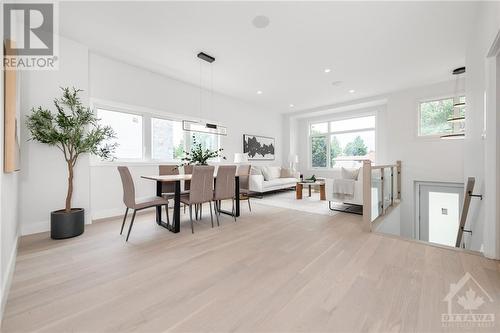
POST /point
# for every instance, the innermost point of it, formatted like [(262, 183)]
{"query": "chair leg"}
[(191, 217), (124, 218), (216, 215), (195, 211), (232, 211), (201, 210), (211, 215), (131, 224), (249, 206)]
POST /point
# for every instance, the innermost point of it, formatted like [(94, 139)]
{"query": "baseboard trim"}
[(8, 280)]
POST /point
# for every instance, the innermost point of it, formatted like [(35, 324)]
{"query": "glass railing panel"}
[(387, 195), (376, 193)]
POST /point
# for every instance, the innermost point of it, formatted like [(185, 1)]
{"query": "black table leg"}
[(237, 191), (175, 226), (177, 208), (158, 208)]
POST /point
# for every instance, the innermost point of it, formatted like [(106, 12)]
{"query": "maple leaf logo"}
[(470, 301)]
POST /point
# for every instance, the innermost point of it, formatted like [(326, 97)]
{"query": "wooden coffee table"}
[(300, 185)]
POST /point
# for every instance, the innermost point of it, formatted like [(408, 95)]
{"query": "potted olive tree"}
[(75, 130)]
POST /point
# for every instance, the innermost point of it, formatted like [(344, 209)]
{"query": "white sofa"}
[(271, 178), (356, 199)]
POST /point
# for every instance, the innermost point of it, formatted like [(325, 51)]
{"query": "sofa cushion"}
[(279, 183), (271, 173), (286, 173)]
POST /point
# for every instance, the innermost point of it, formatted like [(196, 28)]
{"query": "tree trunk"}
[(70, 187)]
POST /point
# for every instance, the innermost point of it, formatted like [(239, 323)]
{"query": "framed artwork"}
[(258, 147), (12, 116)]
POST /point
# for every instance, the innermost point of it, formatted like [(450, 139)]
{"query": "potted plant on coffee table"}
[(75, 130)]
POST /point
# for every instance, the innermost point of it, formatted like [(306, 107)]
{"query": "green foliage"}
[(199, 155), (335, 149), (73, 129), (318, 148), (356, 148), (434, 116)]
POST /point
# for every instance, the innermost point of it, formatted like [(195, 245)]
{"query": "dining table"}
[(175, 226)]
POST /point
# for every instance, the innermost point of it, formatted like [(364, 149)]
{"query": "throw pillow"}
[(286, 173), (256, 171), (350, 174), (271, 173)]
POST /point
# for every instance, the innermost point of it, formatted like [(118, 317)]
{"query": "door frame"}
[(418, 184)]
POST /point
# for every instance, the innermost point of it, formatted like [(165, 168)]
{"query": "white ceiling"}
[(371, 47)]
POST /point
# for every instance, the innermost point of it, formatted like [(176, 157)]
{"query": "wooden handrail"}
[(465, 210)]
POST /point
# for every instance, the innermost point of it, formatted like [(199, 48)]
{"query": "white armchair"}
[(355, 199)]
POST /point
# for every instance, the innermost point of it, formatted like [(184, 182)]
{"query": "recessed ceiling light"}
[(327, 70), (259, 92), (352, 91), (260, 21), (291, 105)]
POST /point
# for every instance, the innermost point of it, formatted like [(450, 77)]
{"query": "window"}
[(319, 128), (343, 143), (207, 140), (434, 115), (148, 137), (128, 130), (167, 139)]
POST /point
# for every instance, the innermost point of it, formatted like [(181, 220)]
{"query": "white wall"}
[(113, 80), (480, 154), (422, 159), (43, 174), (9, 219)]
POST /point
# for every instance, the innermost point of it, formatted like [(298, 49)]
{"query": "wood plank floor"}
[(275, 270)]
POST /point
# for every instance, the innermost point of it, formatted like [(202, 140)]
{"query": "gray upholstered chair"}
[(201, 190), (224, 188), (244, 176), (168, 189), (129, 199)]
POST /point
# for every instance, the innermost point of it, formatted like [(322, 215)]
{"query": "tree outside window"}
[(319, 151)]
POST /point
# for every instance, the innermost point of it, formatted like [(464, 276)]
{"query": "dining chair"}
[(244, 177), (168, 189), (224, 188), (130, 202), (200, 191)]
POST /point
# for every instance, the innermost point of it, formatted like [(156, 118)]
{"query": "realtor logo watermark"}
[(466, 299), (30, 35)]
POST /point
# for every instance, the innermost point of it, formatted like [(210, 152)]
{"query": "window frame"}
[(328, 135), (456, 111), (147, 131)]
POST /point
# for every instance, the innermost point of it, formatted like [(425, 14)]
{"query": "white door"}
[(440, 206)]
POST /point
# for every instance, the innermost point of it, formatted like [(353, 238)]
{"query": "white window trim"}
[(146, 114), (433, 137), (328, 135)]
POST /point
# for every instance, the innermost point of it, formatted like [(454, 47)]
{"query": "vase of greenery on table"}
[(198, 155), (75, 130)]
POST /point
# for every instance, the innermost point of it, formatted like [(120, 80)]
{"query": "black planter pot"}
[(66, 225)]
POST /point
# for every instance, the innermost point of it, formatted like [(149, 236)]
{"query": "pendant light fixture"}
[(202, 126), (457, 121)]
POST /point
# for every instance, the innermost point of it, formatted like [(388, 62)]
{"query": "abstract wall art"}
[(258, 147)]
